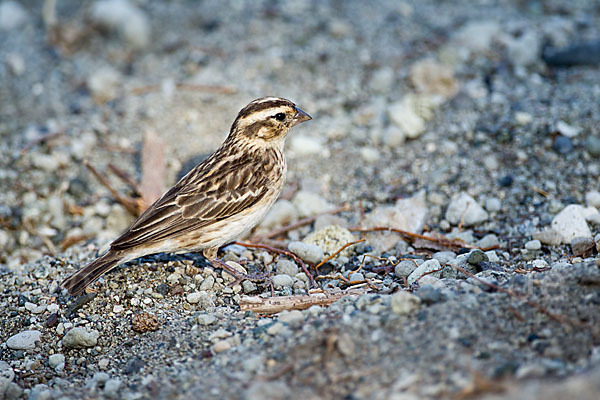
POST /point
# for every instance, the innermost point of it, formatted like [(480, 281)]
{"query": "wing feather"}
[(211, 192)]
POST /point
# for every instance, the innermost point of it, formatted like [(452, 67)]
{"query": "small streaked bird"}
[(218, 201)]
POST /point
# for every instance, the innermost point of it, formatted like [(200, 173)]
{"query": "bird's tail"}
[(88, 274)]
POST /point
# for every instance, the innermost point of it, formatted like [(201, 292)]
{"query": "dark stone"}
[(582, 53), (592, 145), (21, 300), (52, 320), (477, 256), (163, 289), (506, 181), (562, 144)]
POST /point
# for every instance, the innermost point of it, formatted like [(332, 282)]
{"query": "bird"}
[(217, 201)]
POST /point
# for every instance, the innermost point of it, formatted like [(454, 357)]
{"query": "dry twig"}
[(338, 251), (273, 305)]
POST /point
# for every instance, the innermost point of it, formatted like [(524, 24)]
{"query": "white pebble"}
[(308, 252), (464, 208), (404, 303), (24, 340), (592, 199), (12, 15), (533, 245), (570, 223), (280, 281)]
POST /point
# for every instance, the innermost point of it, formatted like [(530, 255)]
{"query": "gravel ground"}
[(470, 119)]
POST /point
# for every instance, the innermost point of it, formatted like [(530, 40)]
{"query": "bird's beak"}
[(300, 116)]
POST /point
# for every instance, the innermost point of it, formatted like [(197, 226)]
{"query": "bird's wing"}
[(213, 191)]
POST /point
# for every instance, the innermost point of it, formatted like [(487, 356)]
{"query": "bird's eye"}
[(279, 116)]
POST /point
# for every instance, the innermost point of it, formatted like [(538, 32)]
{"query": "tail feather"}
[(76, 283)]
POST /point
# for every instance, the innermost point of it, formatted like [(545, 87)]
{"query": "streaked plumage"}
[(217, 201)]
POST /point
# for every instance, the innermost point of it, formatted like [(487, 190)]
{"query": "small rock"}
[(493, 204), (567, 130), (24, 340), (382, 80), (404, 114), (208, 283), (308, 204), (282, 213), (206, 319), (549, 237), (104, 83), (125, 18), (425, 268), (280, 281), (407, 214), (144, 322), (103, 363), (403, 303), (80, 337), (533, 245), (292, 317), (432, 78), (580, 246), (464, 208), (562, 144), (592, 199), (111, 387), (405, 268), (523, 50), (308, 252), (221, 346), (592, 145), (570, 223), (56, 360), (12, 15), (356, 276), (430, 295), (393, 136), (476, 257), (302, 145), (248, 286), (331, 239), (286, 267), (477, 36), (201, 299), (444, 256), (492, 256), (488, 241)]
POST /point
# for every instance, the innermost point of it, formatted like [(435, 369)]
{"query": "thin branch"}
[(186, 86), (125, 178), (273, 305), (338, 252)]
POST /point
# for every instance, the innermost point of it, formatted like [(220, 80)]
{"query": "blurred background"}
[(492, 97)]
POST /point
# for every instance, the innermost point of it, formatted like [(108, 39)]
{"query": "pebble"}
[(567, 130), (55, 360), (549, 237), (282, 213), (125, 18), (104, 83), (103, 363), (201, 299), (292, 317), (221, 346), (430, 295), (248, 286), (382, 80), (280, 281), (570, 223), (307, 252), (111, 387), (405, 268), (464, 208), (331, 238), (403, 303), (443, 256), (12, 15), (582, 245), (492, 256), (592, 199), (309, 203), (523, 50), (286, 267), (80, 337), (492, 204), (357, 276), (25, 340), (369, 154), (430, 77), (408, 214), (562, 144), (302, 145), (476, 257), (427, 266), (393, 136), (533, 245), (477, 36), (489, 240), (592, 145), (207, 283), (45, 162), (403, 114), (206, 319)]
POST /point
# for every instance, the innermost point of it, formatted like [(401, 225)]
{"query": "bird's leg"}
[(239, 276)]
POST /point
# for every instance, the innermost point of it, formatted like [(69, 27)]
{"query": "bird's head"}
[(267, 119)]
